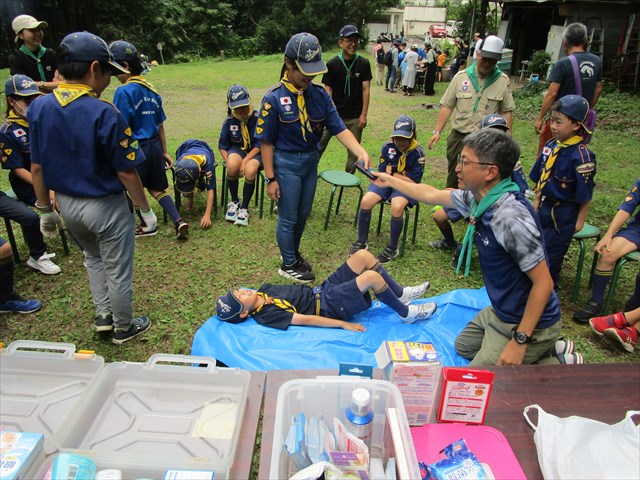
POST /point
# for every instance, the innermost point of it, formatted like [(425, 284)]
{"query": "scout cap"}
[(492, 47), (494, 120), (304, 49), (87, 47), (21, 85), (123, 51), (229, 308), (348, 31), (187, 173), (238, 96), (404, 127), (26, 21), (575, 107)]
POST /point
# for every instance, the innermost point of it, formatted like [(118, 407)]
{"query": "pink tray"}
[(489, 445)]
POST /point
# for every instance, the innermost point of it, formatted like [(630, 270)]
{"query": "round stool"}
[(341, 179)]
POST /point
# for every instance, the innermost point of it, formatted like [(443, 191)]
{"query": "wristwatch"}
[(520, 337), (435, 132), (269, 180)]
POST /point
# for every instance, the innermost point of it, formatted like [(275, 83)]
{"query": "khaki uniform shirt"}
[(461, 97)]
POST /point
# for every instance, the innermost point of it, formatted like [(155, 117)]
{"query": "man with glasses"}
[(348, 82), (522, 324)]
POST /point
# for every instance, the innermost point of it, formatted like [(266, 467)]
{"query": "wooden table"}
[(602, 392)]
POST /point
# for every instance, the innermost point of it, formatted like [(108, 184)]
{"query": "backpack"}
[(380, 54), (388, 58)]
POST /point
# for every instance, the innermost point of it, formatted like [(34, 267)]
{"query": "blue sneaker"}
[(138, 326), (16, 304)]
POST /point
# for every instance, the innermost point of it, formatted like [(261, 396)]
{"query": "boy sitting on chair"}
[(341, 296)]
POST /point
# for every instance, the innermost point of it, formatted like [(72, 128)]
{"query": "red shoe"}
[(600, 324), (627, 337)]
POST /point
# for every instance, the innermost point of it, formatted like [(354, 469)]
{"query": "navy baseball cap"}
[(187, 173), (404, 127), (123, 51), (238, 96), (87, 47), (348, 31), (574, 107), (21, 85), (304, 49), (229, 308), (494, 120)]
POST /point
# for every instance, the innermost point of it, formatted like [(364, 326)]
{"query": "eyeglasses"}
[(464, 162), (350, 40)]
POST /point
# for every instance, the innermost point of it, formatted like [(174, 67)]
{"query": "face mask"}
[(21, 111)]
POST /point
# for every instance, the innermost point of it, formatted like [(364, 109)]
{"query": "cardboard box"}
[(18, 453), (416, 370), (465, 395)]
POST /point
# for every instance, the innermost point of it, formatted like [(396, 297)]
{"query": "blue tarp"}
[(251, 346)]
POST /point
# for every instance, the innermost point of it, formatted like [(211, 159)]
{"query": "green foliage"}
[(539, 61)]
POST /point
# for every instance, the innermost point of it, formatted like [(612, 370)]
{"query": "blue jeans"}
[(391, 75), (29, 222), (297, 177)]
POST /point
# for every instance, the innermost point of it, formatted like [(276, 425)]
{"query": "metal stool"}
[(405, 228), (629, 257), (14, 246), (341, 179), (587, 232)]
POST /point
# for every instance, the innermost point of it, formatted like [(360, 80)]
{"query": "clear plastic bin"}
[(330, 396)]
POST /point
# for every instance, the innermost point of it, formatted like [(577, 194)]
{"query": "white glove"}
[(49, 223), (150, 221)]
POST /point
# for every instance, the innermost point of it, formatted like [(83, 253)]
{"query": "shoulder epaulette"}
[(275, 87)]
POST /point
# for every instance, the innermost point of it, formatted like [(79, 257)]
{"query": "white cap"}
[(360, 398), (492, 47), (26, 21)]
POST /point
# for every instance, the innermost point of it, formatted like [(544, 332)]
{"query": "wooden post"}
[(159, 46)]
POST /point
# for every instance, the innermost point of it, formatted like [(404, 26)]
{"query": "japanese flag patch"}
[(18, 132), (233, 128), (285, 100)]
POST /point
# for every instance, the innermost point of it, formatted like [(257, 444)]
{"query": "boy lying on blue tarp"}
[(341, 296)]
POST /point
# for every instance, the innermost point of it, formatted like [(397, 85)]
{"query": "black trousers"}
[(430, 79)]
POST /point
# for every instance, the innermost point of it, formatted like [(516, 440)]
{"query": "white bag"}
[(578, 447)]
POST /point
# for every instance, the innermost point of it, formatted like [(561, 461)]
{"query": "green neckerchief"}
[(347, 82), (493, 76), (37, 58), (477, 210)]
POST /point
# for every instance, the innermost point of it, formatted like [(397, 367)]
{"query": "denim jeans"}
[(29, 222), (297, 177), (391, 75)]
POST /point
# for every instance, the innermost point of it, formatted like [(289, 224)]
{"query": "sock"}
[(6, 278), (634, 299), (447, 233), (390, 299), (396, 230), (393, 285), (364, 220), (247, 192), (166, 202), (600, 281), (232, 183)]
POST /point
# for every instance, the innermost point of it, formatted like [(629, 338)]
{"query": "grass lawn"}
[(176, 284)]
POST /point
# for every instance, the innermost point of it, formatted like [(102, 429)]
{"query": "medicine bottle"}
[(360, 416)]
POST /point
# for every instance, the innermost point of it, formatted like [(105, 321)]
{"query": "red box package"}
[(465, 395)]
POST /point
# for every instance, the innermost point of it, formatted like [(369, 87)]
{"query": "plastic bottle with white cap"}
[(360, 416)]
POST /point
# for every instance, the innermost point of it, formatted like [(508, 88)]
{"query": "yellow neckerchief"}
[(246, 138), (13, 117), (402, 162), (68, 92), (141, 81), (278, 302), (302, 109), (551, 160)]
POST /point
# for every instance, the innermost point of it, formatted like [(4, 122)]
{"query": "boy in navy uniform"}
[(404, 158), (194, 167), (563, 174), (616, 243), (141, 106), (341, 296), (82, 148)]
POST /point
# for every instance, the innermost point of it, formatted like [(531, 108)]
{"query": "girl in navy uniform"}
[(563, 174), (293, 116), (141, 106), (241, 152), (404, 158)]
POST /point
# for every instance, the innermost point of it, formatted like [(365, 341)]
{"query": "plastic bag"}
[(578, 447)]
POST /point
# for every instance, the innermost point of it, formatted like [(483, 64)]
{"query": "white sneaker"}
[(232, 211), (411, 293), (44, 265), (420, 312), (243, 217)]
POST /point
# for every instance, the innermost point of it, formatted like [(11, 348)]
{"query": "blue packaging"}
[(460, 464)]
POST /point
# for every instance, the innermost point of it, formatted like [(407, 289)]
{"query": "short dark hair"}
[(135, 66), (494, 146), (575, 34)]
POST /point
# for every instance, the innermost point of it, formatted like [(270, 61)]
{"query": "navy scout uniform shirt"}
[(15, 152), (231, 133)]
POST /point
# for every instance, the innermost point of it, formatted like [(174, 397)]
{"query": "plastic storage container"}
[(39, 389), (174, 411), (331, 396)]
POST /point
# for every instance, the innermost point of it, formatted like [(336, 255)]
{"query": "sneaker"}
[(182, 230), (243, 217), (420, 312), (387, 255), (138, 326), (16, 304), (444, 245), (296, 272), (303, 261), (626, 336), (145, 232), (563, 347), (355, 246), (411, 293), (44, 265), (275, 209), (600, 324), (232, 211), (104, 322), (590, 310), (574, 358)]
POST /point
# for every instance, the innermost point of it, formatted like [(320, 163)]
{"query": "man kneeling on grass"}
[(341, 296)]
